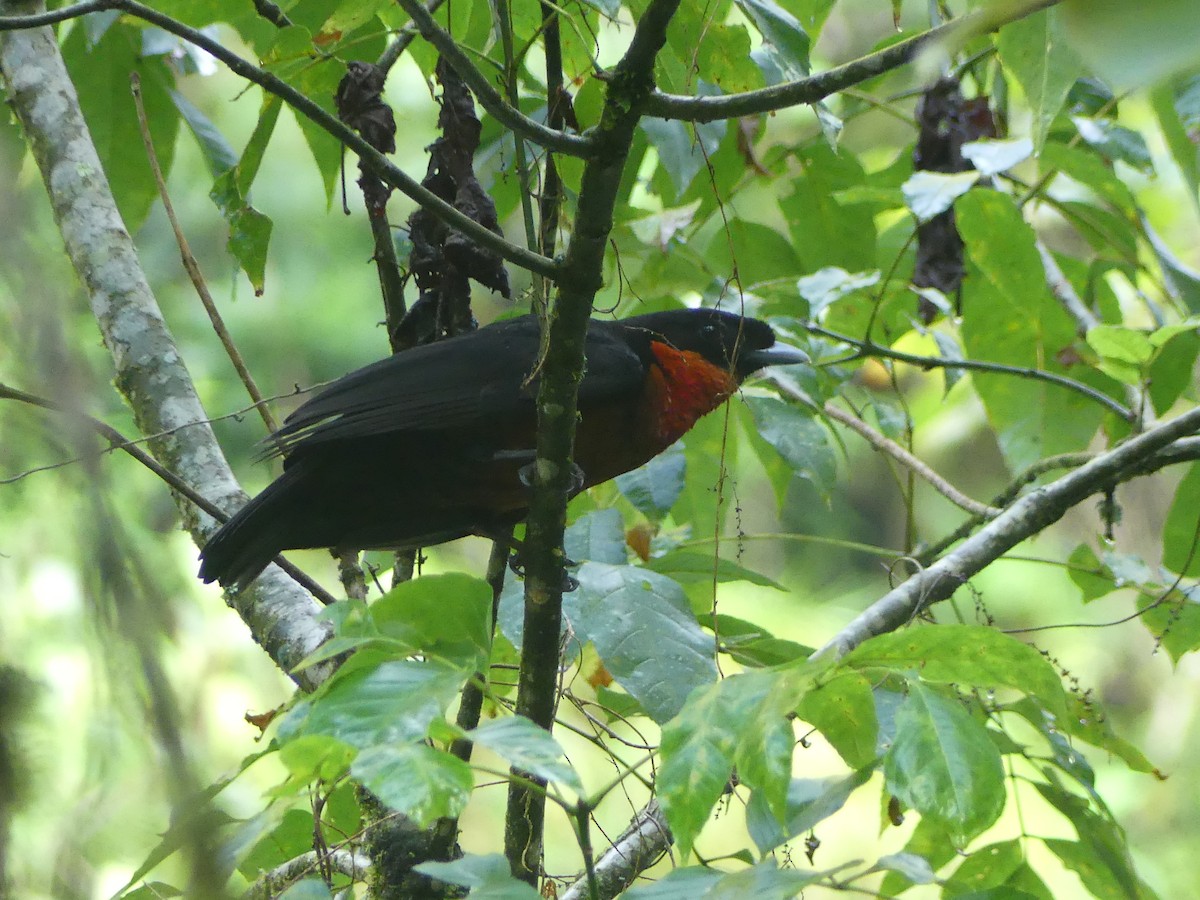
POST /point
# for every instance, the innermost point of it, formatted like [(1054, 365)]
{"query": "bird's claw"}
[(516, 564), (574, 486)]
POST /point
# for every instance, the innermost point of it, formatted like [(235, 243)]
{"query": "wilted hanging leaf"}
[(946, 121), (443, 260)]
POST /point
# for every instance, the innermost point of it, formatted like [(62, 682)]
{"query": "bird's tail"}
[(254, 536)]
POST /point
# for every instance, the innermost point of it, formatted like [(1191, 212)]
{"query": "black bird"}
[(428, 445)]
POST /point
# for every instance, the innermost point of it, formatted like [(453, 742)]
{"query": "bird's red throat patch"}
[(684, 387)]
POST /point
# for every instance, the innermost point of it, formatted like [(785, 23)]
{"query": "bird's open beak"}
[(775, 355)]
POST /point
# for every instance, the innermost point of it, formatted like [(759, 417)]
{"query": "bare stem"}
[(192, 267)]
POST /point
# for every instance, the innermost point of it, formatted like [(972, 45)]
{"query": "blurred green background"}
[(93, 795)]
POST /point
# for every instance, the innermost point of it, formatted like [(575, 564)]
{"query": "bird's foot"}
[(574, 486), (516, 563)]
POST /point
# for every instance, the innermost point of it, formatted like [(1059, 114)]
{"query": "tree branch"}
[(818, 87), (869, 348), (396, 177), (396, 48), (509, 116), (906, 459), (640, 845), (557, 405), (1025, 517), (150, 373)]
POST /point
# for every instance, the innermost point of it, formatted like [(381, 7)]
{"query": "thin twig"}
[(869, 348), (118, 441), (908, 460), (193, 267), (488, 96), (400, 43)]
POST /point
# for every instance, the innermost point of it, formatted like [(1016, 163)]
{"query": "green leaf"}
[(830, 284), (1177, 107), (763, 881), (759, 253), (1181, 281), (1174, 619), (810, 801), (1101, 858), (943, 765), (313, 757), (1091, 576), (685, 883), (643, 628), (951, 350), (152, 890), (1131, 51), (754, 646), (445, 616), (654, 488), (799, 438), (679, 153), (782, 33), (276, 842), (394, 701), (307, 889), (1181, 532), (488, 877), (739, 721), (929, 194), (219, 156), (101, 76), (991, 157), (915, 868), (824, 231), (1035, 52), (1115, 142), (415, 780), (963, 654), (249, 229), (294, 59), (985, 868), (530, 748), (1091, 171), (598, 536), (1121, 344), (1010, 317), (694, 565), (249, 237), (843, 710), (929, 841)]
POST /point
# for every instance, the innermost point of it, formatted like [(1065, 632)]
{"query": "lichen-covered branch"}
[(150, 373), (640, 845), (1025, 517)]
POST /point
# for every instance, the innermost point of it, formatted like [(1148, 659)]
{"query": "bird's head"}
[(738, 344)]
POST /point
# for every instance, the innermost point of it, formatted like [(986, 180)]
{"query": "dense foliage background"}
[(1039, 741)]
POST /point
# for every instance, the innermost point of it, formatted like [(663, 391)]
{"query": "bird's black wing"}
[(466, 381)]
